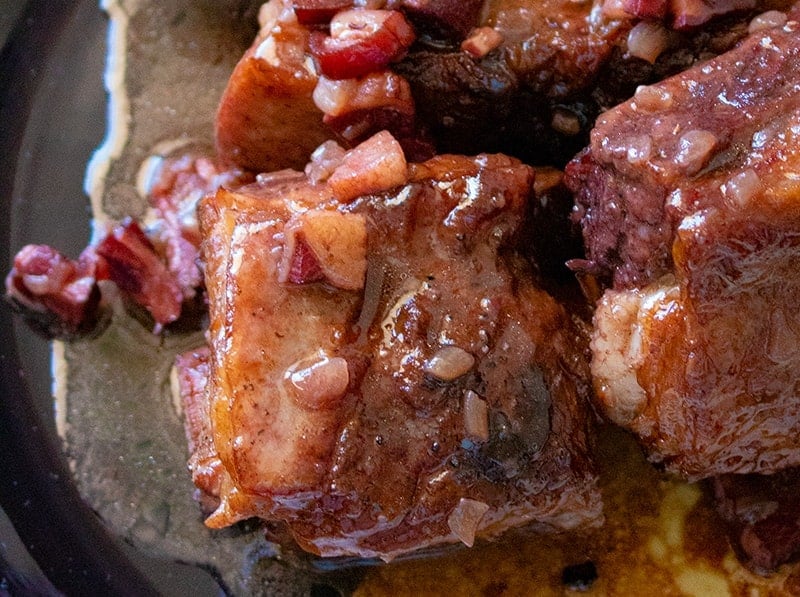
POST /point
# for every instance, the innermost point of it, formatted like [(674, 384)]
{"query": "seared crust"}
[(463, 411), (688, 201)]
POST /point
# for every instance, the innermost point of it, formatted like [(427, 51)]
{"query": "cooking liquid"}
[(167, 66)]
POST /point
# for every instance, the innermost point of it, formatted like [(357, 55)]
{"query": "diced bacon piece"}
[(183, 261), (326, 245), (57, 296), (361, 41), (158, 267), (132, 264), (318, 12), (377, 164), (177, 187), (482, 41), (300, 265), (377, 90), (355, 109)]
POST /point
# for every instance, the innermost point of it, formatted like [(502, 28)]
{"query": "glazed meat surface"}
[(509, 99), (665, 153), (385, 376), (523, 78), (560, 63), (266, 118), (688, 201)]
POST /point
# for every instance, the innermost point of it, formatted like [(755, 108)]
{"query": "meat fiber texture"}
[(533, 93), (406, 386), (560, 64), (761, 514), (688, 199)]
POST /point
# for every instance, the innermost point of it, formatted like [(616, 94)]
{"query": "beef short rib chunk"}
[(688, 200), (763, 516), (266, 119), (385, 376), (559, 65), (523, 78)]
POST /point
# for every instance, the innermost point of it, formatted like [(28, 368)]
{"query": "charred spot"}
[(579, 577), (514, 437), (531, 417), (483, 464), (324, 590)]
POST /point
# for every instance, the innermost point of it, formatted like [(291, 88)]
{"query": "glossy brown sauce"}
[(661, 536), (126, 442)]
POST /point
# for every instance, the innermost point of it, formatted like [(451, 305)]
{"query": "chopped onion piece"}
[(332, 96), (742, 187), (694, 150), (324, 160), (565, 122), (651, 98), (767, 20), (647, 40), (476, 417), (318, 382), (640, 148), (465, 519), (449, 363)]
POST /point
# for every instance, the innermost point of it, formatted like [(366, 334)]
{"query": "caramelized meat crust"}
[(523, 78), (559, 64), (507, 99), (434, 396), (266, 118), (688, 201), (711, 137)]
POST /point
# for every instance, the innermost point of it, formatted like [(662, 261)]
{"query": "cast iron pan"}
[(52, 116)]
